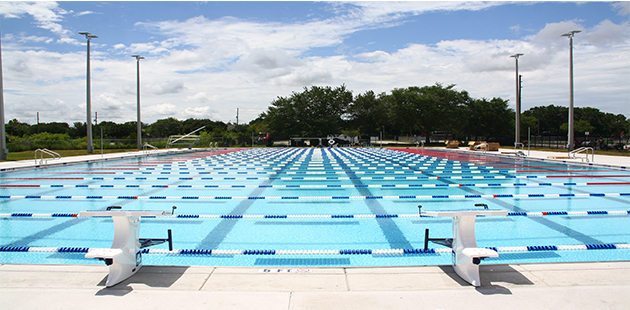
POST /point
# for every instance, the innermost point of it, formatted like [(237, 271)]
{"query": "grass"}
[(26, 155)]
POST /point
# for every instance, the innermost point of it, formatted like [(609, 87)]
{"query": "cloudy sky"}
[(206, 59)]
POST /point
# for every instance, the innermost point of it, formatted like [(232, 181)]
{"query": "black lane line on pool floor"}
[(395, 237), (540, 220), (42, 234), (225, 226)]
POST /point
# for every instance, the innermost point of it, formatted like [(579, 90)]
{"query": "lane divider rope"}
[(107, 186), (97, 197), (319, 216), (322, 178), (374, 252)]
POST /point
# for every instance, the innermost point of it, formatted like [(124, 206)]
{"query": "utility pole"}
[(517, 129), (139, 122), (3, 137), (570, 134), (90, 147)]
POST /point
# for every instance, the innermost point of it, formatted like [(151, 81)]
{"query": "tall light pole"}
[(570, 136), (3, 137), (517, 129), (139, 123), (90, 147)]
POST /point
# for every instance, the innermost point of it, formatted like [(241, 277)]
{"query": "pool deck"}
[(600, 285), (523, 286)]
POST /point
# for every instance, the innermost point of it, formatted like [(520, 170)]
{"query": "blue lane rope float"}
[(355, 171), (200, 186), (324, 216), (306, 178), (376, 252), (395, 197)]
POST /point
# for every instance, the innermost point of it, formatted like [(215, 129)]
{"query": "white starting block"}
[(124, 258), (466, 254)]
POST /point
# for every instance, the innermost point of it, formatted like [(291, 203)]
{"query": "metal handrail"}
[(146, 146), (516, 149), (573, 154), (42, 161), (484, 145), (185, 136)]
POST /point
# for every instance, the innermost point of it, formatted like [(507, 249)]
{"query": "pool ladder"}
[(573, 154), (42, 160), (148, 148)]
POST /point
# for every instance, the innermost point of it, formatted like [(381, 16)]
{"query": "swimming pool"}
[(318, 207)]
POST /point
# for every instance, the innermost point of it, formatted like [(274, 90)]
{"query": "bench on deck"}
[(452, 144), (559, 157)]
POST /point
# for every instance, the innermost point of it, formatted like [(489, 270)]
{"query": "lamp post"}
[(3, 137), (570, 136), (139, 123), (90, 147), (517, 129)]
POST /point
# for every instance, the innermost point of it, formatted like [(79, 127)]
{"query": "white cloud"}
[(608, 33), (167, 87), (209, 68), (623, 7), (200, 97), (46, 14), (376, 56), (84, 13)]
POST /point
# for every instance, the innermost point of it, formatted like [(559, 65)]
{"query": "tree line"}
[(320, 111), (162, 128), (421, 111)]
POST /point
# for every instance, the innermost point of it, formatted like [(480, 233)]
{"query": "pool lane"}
[(356, 173)]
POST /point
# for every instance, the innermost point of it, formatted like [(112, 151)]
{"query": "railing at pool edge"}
[(148, 148), (573, 154), (42, 160)]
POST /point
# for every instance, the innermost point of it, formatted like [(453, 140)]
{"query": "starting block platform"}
[(124, 258), (466, 254)]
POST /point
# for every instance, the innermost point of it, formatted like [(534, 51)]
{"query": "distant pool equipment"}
[(124, 258)]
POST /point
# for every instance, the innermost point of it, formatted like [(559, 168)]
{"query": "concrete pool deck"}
[(598, 285), (603, 285)]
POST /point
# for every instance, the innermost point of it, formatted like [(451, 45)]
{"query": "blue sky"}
[(206, 59)]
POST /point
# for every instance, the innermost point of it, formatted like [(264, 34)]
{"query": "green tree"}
[(112, 130), (550, 119), (428, 109), (54, 127), (317, 111), (15, 128), (368, 113), (78, 130), (488, 118), (165, 127)]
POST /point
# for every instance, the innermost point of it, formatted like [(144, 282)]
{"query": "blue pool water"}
[(318, 202)]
